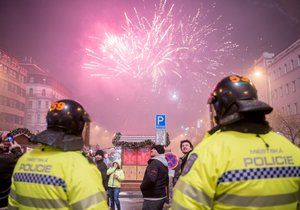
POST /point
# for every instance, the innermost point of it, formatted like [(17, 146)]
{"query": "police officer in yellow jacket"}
[(242, 164), (56, 175)]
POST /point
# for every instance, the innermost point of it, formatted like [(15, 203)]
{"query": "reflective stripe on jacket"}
[(52, 179), (233, 170)]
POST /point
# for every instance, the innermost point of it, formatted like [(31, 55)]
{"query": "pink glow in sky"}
[(57, 33)]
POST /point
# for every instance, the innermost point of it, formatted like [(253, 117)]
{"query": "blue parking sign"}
[(160, 121)]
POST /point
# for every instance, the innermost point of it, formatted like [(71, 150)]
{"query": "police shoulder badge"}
[(189, 163)]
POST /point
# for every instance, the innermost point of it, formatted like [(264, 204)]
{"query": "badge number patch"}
[(189, 163)]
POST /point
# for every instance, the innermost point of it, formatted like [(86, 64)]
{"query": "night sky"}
[(56, 34)]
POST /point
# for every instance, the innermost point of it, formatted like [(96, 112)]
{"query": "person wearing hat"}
[(156, 179), (10, 152), (99, 157)]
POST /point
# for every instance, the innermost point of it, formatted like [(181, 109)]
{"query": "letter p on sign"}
[(160, 121)]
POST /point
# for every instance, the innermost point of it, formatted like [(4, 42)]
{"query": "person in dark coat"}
[(155, 182), (9, 154), (99, 157), (186, 147)]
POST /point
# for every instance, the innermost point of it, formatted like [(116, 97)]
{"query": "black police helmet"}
[(68, 115), (233, 95)]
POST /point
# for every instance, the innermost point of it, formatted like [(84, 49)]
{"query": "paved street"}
[(132, 201)]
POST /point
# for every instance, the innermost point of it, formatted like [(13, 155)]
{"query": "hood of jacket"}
[(59, 139), (160, 158)]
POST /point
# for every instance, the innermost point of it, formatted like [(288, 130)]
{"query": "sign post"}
[(160, 125)]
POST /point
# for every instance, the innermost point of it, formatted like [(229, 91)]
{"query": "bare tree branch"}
[(289, 126)]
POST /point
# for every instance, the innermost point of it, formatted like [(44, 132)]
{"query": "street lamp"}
[(260, 72)]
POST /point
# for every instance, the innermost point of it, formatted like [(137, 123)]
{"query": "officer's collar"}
[(59, 139), (214, 129), (248, 127)]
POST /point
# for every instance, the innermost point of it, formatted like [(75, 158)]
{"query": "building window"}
[(31, 79), (288, 110), (274, 73), (279, 72), (29, 104), (14, 75), (285, 68), (3, 102), (5, 85), (293, 86), (19, 91), (295, 108), (298, 60), (22, 106), (39, 104), (47, 104), (287, 91), (282, 110), (5, 69), (276, 94), (281, 92), (292, 64), (38, 118), (18, 105), (269, 62), (43, 92), (29, 117), (16, 119), (31, 92)]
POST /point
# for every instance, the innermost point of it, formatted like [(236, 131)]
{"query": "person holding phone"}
[(116, 176), (10, 151), (9, 138)]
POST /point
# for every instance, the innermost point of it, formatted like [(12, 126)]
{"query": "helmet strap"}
[(231, 118), (214, 120)]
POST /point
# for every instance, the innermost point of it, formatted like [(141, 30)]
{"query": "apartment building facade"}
[(12, 92), (284, 73), (41, 90), (279, 85)]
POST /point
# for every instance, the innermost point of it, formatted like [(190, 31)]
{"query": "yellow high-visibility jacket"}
[(115, 182), (233, 170), (49, 178)]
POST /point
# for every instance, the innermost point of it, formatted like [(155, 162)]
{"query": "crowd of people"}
[(10, 152), (240, 164)]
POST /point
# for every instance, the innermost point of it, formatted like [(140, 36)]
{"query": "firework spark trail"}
[(157, 49)]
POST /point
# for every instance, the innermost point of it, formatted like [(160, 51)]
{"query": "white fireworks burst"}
[(158, 49)]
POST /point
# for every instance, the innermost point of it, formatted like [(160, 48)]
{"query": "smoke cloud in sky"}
[(56, 34)]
